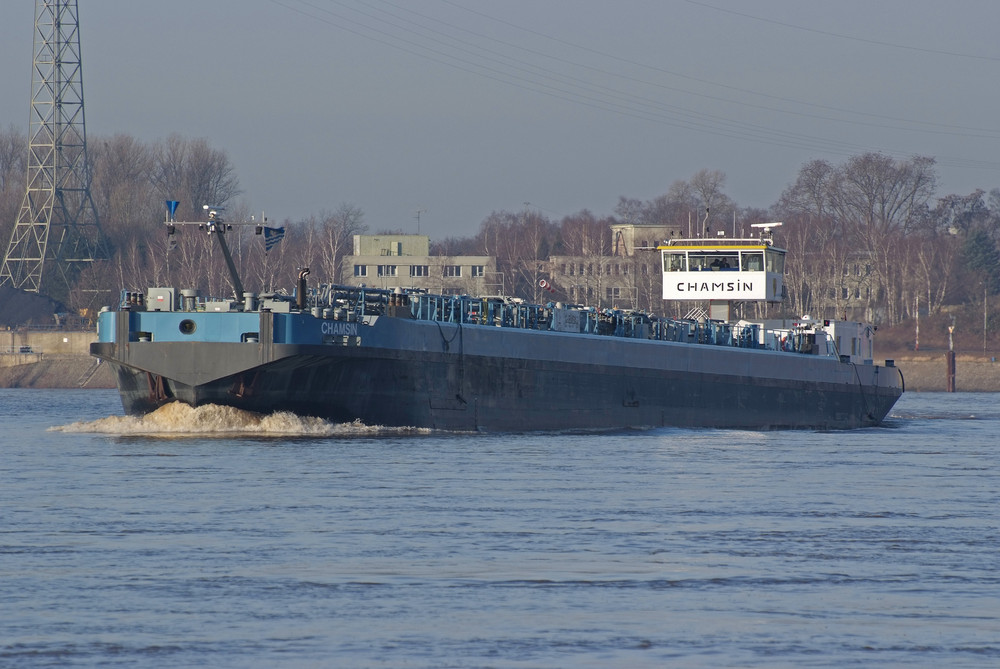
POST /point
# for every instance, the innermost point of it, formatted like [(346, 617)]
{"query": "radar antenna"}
[(766, 229)]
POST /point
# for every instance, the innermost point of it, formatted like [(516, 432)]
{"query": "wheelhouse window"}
[(770, 260), (774, 261), (674, 262), (721, 261), (753, 261)]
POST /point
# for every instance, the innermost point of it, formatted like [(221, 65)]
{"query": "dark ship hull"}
[(398, 366)]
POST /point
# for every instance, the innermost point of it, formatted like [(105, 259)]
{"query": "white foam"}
[(179, 419)]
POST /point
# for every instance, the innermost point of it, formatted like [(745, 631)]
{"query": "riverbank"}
[(929, 374), (57, 371), (924, 374)]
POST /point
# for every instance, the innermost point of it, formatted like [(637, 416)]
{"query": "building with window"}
[(404, 261), (629, 238), (629, 278)]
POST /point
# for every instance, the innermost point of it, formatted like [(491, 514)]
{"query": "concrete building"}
[(405, 261), (607, 281), (630, 278), (627, 238)]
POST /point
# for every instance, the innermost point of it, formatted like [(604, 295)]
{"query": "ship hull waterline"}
[(681, 385)]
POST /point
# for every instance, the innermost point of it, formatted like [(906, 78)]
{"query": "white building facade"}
[(405, 261)]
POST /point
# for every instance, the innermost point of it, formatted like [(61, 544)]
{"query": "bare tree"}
[(851, 223), (211, 178), (521, 243), (882, 194), (123, 192), (583, 234), (817, 244), (195, 174), (457, 246), (13, 171), (684, 201), (629, 210), (680, 205), (883, 199), (811, 191), (496, 234), (936, 261), (169, 174), (708, 185), (538, 236), (336, 237)]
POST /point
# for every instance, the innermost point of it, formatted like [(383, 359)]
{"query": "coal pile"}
[(19, 308)]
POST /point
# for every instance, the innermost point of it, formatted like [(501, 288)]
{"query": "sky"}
[(458, 108)]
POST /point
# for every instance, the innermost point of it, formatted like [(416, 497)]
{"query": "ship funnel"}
[(300, 296)]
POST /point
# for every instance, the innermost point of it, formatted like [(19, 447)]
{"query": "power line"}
[(442, 47), (853, 38), (699, 80)]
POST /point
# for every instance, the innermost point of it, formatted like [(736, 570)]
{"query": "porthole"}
[(187, 326)]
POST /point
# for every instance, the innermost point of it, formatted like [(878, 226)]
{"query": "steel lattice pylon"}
[(57, 224)]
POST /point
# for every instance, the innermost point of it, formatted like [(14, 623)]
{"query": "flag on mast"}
[(272, 236)]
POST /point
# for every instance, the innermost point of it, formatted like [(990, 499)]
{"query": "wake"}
[(180, 420)]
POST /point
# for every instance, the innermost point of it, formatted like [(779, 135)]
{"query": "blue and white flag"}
[(272, 236)]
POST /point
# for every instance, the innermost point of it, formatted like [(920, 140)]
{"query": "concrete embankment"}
[(50, 359), (972, 374), (57, 371)]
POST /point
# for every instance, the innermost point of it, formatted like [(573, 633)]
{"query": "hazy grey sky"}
[(463, 107)]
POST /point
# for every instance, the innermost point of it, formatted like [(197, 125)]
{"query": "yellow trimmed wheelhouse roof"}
[(720, 244)]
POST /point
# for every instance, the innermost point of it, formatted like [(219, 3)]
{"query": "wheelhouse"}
[(723, 269)]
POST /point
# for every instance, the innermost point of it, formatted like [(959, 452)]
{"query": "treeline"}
[(869, 237), (131, 180)]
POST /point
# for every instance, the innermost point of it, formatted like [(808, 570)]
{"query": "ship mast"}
[(214, 226)]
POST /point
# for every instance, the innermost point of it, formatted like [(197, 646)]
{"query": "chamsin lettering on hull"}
[(338, 328), (404, 357)]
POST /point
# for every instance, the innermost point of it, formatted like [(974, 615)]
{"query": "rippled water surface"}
[(218, 539)]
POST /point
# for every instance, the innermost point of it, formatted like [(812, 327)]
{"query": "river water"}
[(216, 539)]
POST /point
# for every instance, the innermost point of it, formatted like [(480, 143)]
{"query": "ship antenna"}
[(705, 222), (766, 233)]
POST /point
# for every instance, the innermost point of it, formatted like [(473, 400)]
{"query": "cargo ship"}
[(464, 363)]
